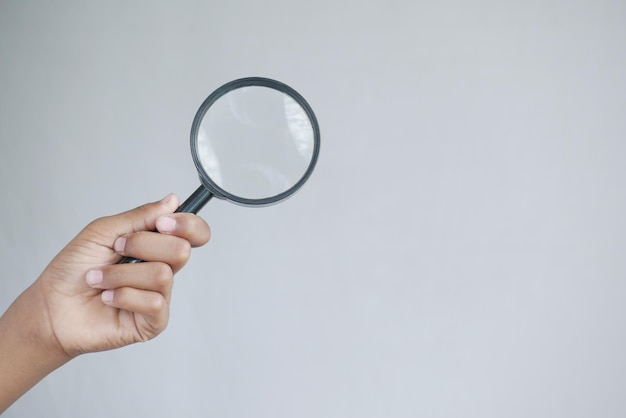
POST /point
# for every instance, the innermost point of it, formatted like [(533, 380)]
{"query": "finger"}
[(142, 218), (152, 246), (151, 305), (185, 225), (153, 276)]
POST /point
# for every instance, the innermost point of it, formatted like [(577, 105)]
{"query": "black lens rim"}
[(247, 82)]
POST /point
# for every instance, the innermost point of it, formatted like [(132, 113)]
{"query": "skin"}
[(85, 302)]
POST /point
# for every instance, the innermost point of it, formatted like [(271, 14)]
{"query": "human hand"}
[(94, 304)]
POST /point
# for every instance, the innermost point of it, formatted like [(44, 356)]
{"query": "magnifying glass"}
[(255, 142)]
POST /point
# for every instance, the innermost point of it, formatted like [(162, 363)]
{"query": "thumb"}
[(142, 218)]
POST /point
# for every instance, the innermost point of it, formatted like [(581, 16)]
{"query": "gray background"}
[(459, 251)]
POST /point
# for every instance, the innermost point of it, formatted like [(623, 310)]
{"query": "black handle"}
[(196, 201)]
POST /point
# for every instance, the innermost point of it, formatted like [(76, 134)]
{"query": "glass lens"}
[(255, 142)]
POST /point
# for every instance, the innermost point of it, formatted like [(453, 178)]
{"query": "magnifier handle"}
[(193, 204), (196, 201)]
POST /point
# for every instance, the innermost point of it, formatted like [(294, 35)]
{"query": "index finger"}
[(185, 225)]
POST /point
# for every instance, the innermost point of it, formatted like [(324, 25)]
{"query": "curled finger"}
[(150, 309), (185, 225), (152, 246), (153, 276)]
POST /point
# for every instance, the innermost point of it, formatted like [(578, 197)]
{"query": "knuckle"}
[(163, 275), (156, 303), (182, 251), (140, 216), (201, 228), (207, 233)]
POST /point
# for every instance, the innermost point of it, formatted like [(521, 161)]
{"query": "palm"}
[(81, 322)]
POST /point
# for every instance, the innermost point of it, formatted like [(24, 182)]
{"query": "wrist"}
[(28, 348)]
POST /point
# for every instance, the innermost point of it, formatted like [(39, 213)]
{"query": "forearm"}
[(28, 351)]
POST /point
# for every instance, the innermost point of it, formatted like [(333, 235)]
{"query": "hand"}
[(84, 301), (94, 304)]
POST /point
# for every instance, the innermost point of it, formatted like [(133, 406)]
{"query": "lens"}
[(254, 142)]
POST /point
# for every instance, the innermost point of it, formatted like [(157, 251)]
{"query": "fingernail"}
[(167, 198), (94, 277), (107, 296), (119, 245), (166, 224)]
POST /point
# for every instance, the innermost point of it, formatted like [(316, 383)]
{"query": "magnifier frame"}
[(209, 188), (205, 179)]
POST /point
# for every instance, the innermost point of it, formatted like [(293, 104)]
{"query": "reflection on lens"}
[(208, 158), (255, 142), (299, 126)]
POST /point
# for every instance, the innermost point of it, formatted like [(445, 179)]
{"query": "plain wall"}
[(459, 251)]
